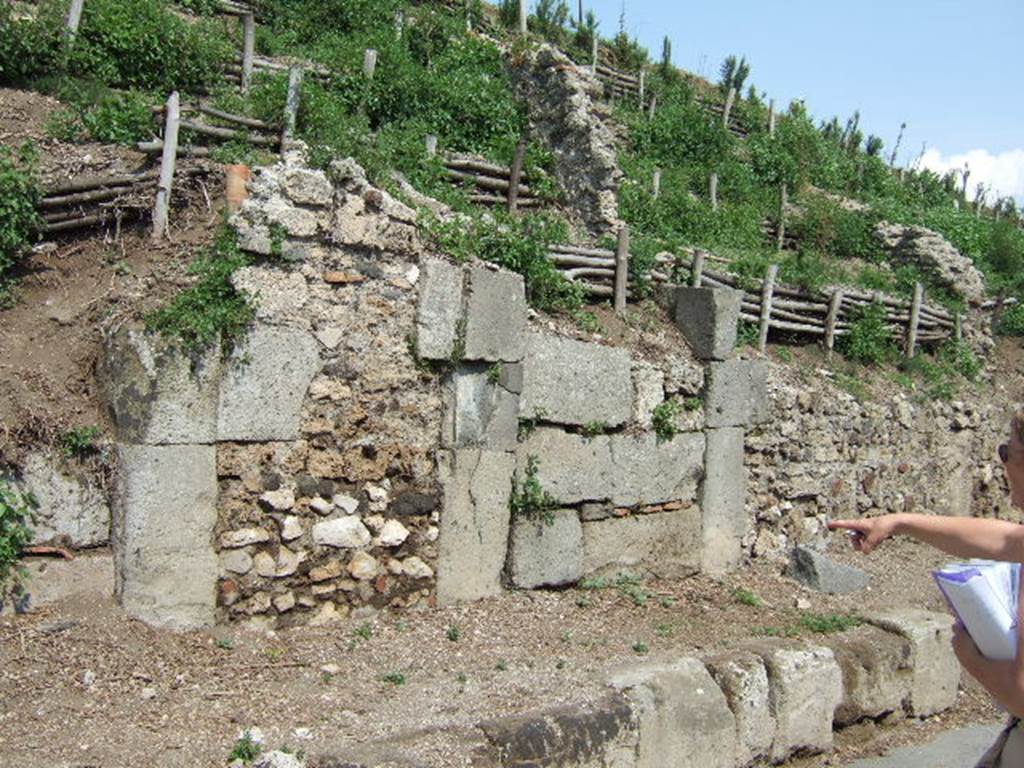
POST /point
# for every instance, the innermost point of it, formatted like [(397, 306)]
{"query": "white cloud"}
[(1002, 173)]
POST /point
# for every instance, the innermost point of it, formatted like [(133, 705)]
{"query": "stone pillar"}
[(723, 501)]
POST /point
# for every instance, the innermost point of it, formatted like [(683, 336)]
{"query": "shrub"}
[(868, 339), (30, 47), (529, 500), (1011, 322), (245, 749), (19, 195), (664, 418), (17, 511), (121, 118)]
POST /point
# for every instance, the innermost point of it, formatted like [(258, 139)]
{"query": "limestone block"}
[(877, 673), (805, 687), (649, 393), (736, 393), (297, 222), (165, 509), (817, 571), (265, 383), (480, 412), (723, 500), (936, 672), (439, 309), (495, 315), (625, 469), (474, 523), (543, 554), (308, 187), (683, 715), (667, 541), (157, 394), (708, 318), (71, 507), (744, 681), (575, 382)]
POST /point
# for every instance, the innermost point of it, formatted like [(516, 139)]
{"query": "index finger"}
[(849, 525)]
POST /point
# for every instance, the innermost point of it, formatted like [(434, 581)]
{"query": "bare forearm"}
[(965, 536), (1002, 679)]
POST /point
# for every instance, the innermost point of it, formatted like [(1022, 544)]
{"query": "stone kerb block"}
[(157, 394), (667, 541), (439, 309), (744, 681), (626, 470), (164, 513), (723, 501), (546, 554), (683, 716), (805, 686), (708, 317), (71, 505), (266, 380), (936, 672), (479, 412), (495, 315), (474, 523), (736, 393), (877, 673), (575, 382)]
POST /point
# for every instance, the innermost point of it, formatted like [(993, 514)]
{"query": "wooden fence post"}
[(653, 107), (656, 183), (621, 270), (369, 63), (643, 76), (783, 199), (431, 142), (830, 322), (915, 318), (291, 107), (767, 291), (698, 268), (248, 50), (516, 175), (522, 17), (167, 161), (399, 23), (713, 191), (771, 117), (74, 17), (593, 53), (958, 327), (469, 15), (728, 106)]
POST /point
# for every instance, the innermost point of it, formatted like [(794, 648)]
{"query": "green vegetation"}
[(664, 418), (815, 623), (120, 118), (394, 678), (641, 648), (529, 500), (746, 597), (211, 310), (594, 428), (79, 441), (246, 749), (19, 195), (868, 340), (364, 631), (17, 512), (628, 585), (453, 633)]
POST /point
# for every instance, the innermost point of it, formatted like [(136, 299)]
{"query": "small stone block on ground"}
[(936, 672), (815, 570), (546, 553), (684, 718), (439, 309), (708, 317), (736, 393), (495, 316)]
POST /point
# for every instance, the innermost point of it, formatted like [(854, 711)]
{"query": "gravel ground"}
[(141, 696)]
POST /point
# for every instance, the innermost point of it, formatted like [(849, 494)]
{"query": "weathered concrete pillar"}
[(707, 317), (723, 501), (736, 393)]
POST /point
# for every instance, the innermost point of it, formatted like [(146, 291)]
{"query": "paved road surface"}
[(956, 749)]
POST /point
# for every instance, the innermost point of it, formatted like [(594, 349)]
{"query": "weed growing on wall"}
[(664, 418), (529, 500)]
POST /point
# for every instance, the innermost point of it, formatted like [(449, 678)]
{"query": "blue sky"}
[(949, 69)]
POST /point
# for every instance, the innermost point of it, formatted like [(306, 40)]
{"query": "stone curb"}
[(769, 700)]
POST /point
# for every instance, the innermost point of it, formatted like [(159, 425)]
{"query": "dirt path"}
[(138, 696)]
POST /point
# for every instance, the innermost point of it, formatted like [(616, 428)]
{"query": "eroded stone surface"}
[(546, 552)]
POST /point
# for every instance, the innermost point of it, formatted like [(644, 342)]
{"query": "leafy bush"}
[(1011, 322), (121, 118), (211, 309), (868, 339), (17, 511), (19, 195), (30, 47)]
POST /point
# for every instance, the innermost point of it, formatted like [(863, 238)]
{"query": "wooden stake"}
[(713, 191), (767, 290), (522, 17), (621, 270), (830, 322), (656, 183), (248, 50), (771, 117), (291, 109), (74, 17), (369, 63), (469, 15), (728, 106), (698, 268), (643, 76), (958, 327), (167, 161), (516, 175), (431, 142), (915, 318), (593, 53), (783, 197), (654, 106), (579, 17), (399, 23)]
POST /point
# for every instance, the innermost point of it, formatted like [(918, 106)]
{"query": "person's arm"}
[(1003, 679), (957, 536)]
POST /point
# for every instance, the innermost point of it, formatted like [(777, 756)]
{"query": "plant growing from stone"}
[(664, 418), (17, 512), (594, 428), (246, 749), (79, 441), (529, 500)]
